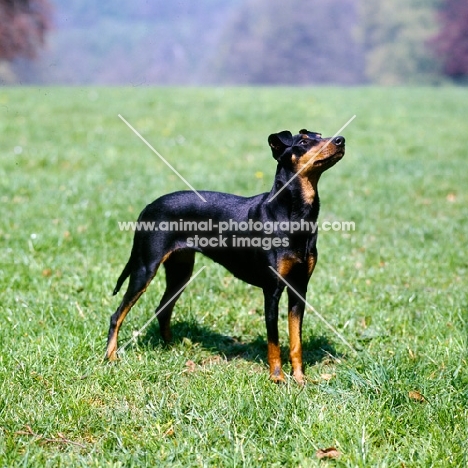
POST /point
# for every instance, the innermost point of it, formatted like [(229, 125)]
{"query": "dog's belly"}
[(247, 265)]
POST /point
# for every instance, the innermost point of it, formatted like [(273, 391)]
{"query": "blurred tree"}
[(138, 42), (395, 36), (451, 43), (294, 42), (23, 25)]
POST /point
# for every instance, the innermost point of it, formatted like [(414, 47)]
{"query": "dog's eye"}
[(304, 142)]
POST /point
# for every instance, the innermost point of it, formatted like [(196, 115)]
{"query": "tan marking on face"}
[(320, 152), (310, 167)]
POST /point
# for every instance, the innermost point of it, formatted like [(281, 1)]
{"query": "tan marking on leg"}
[(183, 256), (295, 346), (274, 361), (166, 256), (285, 264), (311, 262), (112, 347), (111, 352)]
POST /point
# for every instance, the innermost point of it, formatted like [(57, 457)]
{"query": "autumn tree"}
[(451, 43), (23, 26)]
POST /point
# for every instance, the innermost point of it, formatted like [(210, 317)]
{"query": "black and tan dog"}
[(263, 258)]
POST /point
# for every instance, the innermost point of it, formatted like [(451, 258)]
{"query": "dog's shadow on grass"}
[(315, 349)]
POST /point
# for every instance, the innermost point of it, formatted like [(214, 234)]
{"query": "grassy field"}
[(395, 288)]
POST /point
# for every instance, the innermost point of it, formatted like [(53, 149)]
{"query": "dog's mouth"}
[(334, 157), (323, 159)]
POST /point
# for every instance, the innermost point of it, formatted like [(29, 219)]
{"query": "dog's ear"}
[(279, 142)]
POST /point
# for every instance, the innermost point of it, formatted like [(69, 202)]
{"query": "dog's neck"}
[(297, 195)]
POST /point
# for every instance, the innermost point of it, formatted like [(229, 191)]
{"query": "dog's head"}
[(307, 152)]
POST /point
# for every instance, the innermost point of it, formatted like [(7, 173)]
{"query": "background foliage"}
[(244, 42), (395, 37), (451, 44)]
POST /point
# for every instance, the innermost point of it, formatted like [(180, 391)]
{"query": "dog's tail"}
[(123, 276)]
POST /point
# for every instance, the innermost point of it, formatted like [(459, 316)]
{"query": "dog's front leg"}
[(295, 317), (271, 318)]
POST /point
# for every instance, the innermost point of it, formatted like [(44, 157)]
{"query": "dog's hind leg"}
[(140, 278), (179, 268)]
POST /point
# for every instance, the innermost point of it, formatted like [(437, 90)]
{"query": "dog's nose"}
[(339, 141)]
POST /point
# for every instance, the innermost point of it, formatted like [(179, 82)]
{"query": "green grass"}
[(395, 288)]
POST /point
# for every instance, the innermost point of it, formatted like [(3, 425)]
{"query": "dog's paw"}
[(278, 378), (111, 354), (299, 377)]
